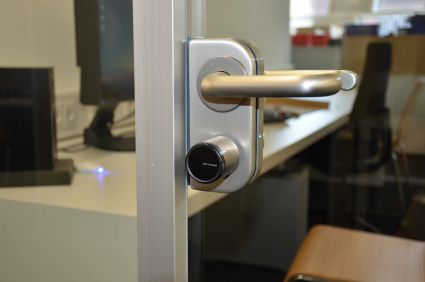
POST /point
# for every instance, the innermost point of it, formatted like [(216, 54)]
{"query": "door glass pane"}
[(355, 159), (67, 160)]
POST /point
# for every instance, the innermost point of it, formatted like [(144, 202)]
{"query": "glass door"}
[(293, 177), (67, 159)]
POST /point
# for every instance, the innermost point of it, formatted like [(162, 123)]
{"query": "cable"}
[(124, 125), (124, 118), (116, 124), (76, 148), (70, 137)]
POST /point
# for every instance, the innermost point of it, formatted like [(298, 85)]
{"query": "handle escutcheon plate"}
[(226, 84)]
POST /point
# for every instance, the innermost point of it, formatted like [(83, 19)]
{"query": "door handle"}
[(278, 84), (226, 87)]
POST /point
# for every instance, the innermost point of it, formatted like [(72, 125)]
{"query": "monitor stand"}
[(99, 134)]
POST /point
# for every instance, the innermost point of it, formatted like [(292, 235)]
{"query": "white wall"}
[(263, 22), (40, 33), (355, 6)]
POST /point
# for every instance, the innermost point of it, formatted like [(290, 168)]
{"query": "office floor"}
[(232, 272)]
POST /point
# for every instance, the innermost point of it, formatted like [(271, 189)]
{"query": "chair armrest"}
[(306, 278), (338, 254)]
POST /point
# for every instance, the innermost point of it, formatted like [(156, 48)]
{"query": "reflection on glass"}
[(67, 210), (364, 174)]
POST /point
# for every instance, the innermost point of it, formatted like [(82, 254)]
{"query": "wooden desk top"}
[(115, 190)]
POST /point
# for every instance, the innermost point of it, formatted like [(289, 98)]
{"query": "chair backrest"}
[(370, 99), (403, 130)]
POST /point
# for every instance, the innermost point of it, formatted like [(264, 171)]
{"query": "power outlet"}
[(68, 113), (72, 117)]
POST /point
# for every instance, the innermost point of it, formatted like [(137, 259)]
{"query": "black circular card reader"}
[(214, 159)]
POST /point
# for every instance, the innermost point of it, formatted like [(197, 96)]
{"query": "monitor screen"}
[(104, 30)]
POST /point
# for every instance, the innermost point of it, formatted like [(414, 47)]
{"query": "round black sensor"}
[(204, 163)]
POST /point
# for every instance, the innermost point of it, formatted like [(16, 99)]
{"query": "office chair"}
[(413, 225), (404, 130), (365, 145), (330, 254)]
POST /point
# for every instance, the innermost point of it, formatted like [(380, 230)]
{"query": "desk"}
[(284, 140), (93, 222), (114, 192)]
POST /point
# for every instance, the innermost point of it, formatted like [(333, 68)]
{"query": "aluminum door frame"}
[(159, 42)]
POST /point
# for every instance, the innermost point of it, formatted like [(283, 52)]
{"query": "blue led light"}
[(100, 169)]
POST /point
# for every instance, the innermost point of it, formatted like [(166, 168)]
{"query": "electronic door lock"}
[(212, 160), (226, 87)]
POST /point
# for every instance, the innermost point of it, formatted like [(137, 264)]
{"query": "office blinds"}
[(398, 5), (309, 8)]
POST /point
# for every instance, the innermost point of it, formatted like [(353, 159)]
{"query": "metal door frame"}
[(159, 42)]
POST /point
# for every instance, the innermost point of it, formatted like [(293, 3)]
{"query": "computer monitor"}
[(104, 36)]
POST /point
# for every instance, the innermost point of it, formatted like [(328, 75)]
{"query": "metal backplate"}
[(232, 118)]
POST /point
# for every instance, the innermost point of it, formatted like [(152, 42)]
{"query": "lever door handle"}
[(278, 84), (225, 86)]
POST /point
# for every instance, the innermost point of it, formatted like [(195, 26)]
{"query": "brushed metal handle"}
[(278, 84)]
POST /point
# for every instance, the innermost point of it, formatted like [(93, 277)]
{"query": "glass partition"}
[(362, 170), (67, 206)]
